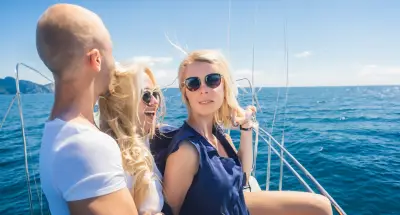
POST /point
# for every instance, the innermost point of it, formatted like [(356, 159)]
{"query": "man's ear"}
[(94, 59)]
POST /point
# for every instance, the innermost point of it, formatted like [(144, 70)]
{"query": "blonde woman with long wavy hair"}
[(203, 172), (128, 113)]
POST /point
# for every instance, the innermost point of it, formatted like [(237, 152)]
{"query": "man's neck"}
[(70, 104)]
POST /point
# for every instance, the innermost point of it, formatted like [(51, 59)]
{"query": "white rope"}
[(8, 111)]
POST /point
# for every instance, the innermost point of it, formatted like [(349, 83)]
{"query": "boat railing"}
[(269, 140), (262, 133), (17, 97)]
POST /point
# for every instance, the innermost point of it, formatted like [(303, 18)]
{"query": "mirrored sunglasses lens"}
[(157, 95), (213, 80), (192, 83), (146, 97)]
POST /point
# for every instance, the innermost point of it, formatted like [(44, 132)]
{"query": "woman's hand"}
[(246, 118)]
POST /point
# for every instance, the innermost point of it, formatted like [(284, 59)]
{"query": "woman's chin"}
[(205, 110), (149, 125), (205, 113)]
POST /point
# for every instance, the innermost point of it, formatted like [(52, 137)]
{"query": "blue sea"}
[(347, 137)]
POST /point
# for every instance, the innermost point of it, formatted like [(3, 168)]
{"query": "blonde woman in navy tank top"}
[(203, 172)]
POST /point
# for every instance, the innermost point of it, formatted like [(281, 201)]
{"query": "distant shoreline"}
[(8, 87)]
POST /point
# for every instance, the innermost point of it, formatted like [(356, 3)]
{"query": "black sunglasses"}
[(212, 80), (147, 94)]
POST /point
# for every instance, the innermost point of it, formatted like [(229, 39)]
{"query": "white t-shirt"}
[(155, 199), (77, 162)]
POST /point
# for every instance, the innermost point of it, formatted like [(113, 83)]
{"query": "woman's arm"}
[(180, 169), (245, 152)]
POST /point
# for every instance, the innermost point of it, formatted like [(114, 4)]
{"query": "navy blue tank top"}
[(217, 188)]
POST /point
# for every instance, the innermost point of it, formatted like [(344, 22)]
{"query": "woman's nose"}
[(153, 101), (203, 88)]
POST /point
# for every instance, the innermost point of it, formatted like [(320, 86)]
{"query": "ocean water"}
[(347, 137)]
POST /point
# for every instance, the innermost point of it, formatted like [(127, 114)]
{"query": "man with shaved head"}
[(80, 167)]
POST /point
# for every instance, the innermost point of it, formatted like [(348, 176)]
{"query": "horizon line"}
[(268, 86)]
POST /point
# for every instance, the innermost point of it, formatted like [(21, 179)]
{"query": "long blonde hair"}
[(220, 65), (119, 118)]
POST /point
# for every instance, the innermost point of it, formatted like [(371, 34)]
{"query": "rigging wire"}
[(253, 95), (286, 99)]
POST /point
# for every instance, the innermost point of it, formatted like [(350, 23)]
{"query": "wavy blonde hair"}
[(220, 65), (161, 106), (119, 117)]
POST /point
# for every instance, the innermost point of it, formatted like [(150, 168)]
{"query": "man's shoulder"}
[(84, 162), (72, 140), (90, 138), (90, 143), (72, 132)]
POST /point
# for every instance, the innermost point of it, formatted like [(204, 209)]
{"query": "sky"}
[(330, 43)]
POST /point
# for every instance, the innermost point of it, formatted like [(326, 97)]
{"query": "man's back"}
[(78, 162)]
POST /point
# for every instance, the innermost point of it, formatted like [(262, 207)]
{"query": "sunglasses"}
[(147, 94), (212, 80)]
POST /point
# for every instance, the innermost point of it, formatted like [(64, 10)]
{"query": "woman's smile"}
[(206, 102)]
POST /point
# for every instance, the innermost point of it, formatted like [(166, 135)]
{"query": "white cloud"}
[(165, 77), (303, 54), (163, 72), (160, 73), (270, 78), (151, 61), (378, 71), (245, 72)]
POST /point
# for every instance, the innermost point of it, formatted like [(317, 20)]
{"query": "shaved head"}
[(76, 47), (73, 42)]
